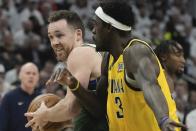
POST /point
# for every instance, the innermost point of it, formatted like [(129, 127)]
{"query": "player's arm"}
[(142, 63), (68, 107), (81, 69), (95, 102)]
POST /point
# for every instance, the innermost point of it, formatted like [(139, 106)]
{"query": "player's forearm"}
[(63, 111), (156, 101), (89, 100)]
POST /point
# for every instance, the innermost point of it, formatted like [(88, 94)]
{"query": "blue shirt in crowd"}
[(12, 109)]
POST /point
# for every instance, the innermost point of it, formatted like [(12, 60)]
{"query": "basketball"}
[(49, 100)]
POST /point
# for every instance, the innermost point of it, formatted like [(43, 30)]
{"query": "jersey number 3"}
[(118, 102)]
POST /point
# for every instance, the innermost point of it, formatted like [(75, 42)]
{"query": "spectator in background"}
[(143, 21), (4, 86), (192, 10), (63, 4), (3, 27), (175, 30), (191, 115), (181, 97), (46, 9), (82, 8), (13, 9), (191, 105), (191, 70), (192, 100), (191, 118), (31, 10), (155, 34), (36, 25), (181, 89), (31, 50), (16, 102), (25, 33), (85, 11), (9, 53), (11, 75)]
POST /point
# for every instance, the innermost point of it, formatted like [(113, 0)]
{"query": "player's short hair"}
[(72, 19), (119, 10), (166, 47)]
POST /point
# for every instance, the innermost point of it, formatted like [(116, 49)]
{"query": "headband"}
[(108, 19)]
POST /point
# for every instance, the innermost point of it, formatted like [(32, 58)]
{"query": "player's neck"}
[(75, 45), (78, 44), (170, 81), (118, 45), (171, 74)]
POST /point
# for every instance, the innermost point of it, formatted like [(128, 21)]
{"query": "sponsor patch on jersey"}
[(120, 67)]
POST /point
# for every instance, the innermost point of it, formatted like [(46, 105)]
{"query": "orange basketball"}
[(49, 100)]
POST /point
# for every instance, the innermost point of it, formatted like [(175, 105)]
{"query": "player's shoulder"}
[(84, 51), (83, 54), (138, 48)]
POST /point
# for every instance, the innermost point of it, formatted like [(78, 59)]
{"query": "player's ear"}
[(109, 27), (78, 34)]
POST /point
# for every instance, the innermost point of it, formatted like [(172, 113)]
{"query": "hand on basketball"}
[(61, 76), (37, 118), (170, 125)]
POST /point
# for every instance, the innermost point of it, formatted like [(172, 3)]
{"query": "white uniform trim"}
[(108, 19), (131, 81), (93, 46)]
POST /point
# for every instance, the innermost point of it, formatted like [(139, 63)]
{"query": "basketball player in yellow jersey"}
[(138, 95)]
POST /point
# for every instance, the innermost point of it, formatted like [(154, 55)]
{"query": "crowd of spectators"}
[(23, 38)]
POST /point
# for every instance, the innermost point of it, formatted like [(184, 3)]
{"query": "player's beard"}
[(61, 55)]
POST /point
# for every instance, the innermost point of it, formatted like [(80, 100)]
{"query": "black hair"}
[(166, 47), (119, 10), (71, 17)]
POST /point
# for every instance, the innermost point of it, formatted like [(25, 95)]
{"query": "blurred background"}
[(23, 38)]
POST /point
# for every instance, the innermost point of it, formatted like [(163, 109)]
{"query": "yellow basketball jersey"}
[(127, 109)]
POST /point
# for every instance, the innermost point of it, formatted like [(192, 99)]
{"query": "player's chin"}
[(61, 58), (61, 55), (180, 72)]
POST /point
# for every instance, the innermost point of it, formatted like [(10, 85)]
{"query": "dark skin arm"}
[(94, 102), (141, 62)]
